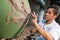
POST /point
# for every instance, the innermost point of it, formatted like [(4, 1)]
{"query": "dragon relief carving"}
[(20, 7)]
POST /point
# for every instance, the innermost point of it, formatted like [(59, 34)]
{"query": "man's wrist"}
[(35, 23)]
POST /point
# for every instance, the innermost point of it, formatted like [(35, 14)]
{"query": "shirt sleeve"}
[(54, 34)]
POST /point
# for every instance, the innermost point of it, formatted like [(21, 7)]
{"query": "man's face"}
[(49, 15)]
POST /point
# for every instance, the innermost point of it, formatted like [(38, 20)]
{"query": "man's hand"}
[(34, 19)]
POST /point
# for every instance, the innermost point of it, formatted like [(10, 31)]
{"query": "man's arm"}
[(43, 32), (40, 29)]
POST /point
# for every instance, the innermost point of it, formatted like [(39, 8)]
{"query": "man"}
[(49, 30)]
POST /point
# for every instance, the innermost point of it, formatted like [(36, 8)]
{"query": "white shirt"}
[(52, 28)]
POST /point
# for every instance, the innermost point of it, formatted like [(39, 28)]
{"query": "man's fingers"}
[(34, 13), (37, 14)]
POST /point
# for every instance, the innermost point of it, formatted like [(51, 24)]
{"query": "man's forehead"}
[(50, 9)]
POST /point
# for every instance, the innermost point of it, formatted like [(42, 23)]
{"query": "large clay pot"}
[(11, 29)]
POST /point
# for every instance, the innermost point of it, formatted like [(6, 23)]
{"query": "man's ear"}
[(55, 16)]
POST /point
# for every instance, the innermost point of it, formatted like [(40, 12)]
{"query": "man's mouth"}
[(46, 17)]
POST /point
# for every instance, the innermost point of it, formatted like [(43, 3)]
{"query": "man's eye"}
[(49, 12)]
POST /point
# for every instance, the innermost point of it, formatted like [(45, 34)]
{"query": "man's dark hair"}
[(56, 9)]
